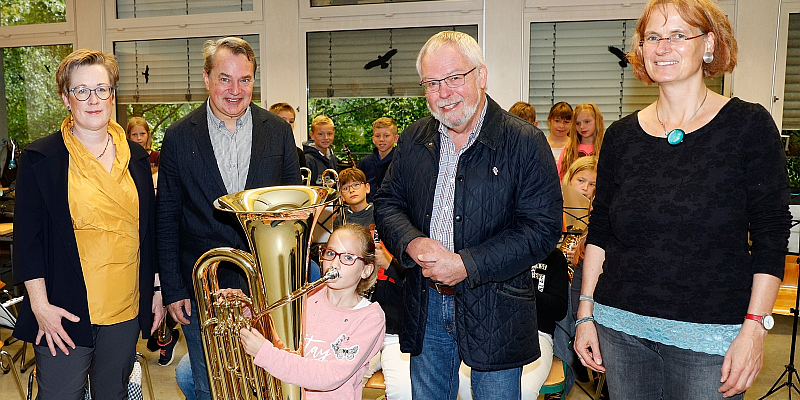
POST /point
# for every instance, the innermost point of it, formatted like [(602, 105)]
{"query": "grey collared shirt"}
[(444, 196), (232, 149)]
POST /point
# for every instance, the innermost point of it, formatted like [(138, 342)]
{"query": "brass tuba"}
[(278, 222)]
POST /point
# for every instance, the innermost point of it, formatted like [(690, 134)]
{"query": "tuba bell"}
[(278, 222)]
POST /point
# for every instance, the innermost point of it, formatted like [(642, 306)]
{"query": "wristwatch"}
[(765, 320)]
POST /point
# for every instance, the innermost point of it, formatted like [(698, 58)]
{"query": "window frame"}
[(41, 34)]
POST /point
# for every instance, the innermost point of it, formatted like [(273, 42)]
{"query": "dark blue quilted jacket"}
[(507, 216)]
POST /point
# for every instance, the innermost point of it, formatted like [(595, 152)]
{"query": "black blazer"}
[(189, 181), (44, 240)]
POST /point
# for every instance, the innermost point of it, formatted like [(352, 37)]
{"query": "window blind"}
[(327, 3), (791, 89), (166, 71), (163, 8), (570, 61), (336, 61)]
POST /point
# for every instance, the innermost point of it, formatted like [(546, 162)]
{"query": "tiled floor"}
[(775, 358)]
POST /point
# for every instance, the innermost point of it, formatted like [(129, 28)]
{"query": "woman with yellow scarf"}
[(84, 241)]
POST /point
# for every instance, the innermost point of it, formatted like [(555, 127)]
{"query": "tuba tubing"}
[(278, 224)]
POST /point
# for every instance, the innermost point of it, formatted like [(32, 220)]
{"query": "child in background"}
[(582, 175), (559, 121), (285, 111), (388, 291), (139, 131), (525, 111), (384, 136), (585, 136), (343, 329), (318, 153)]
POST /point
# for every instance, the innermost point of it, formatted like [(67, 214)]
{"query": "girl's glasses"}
[(327, 254)]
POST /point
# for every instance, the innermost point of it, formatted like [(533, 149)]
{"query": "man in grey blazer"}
[(224, 146)]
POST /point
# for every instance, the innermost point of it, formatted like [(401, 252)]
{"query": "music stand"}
[(576, 208), (790, 370)]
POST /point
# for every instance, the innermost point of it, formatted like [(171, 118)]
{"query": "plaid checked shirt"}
[(442, 215)]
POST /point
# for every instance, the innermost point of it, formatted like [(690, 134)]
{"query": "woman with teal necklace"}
[(675, 302)]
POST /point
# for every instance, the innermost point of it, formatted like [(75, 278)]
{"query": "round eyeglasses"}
[(676, 38), (452, 81), (355, 186), (327, 254), (82, 93)]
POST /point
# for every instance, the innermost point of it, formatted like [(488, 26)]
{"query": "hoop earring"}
[(708, 57)]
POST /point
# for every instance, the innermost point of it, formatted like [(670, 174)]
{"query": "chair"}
[(376, 381), (555, 380), (8, 320), (788, 289), (7, 364)]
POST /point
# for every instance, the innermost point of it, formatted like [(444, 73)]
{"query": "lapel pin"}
[(494, 169)]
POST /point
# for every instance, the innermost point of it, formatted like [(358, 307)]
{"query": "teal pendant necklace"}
[(675, 136)]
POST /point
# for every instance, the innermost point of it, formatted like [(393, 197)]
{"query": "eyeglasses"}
[(676, 38), (355, 186), (82, 93), (327, 254), (452, 81)]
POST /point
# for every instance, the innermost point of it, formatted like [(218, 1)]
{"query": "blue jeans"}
[(434, 372), (194, 343), (183, 375), (643, 369)]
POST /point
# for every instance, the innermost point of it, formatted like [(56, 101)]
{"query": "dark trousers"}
[(108, 364)]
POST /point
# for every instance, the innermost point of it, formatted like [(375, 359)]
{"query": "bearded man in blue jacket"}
[(470, 202)]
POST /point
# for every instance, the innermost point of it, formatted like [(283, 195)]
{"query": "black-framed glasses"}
[(82, 93), (676, 38), (452, 81), (327, 254), (355, 186)]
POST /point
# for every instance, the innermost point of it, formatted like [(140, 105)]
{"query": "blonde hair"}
[(385, 122), (84, 57), (702, 14), (278, 107), (367, 253), (139, 121), (588, 163), (524, 110), (320, 120), (570, 151)]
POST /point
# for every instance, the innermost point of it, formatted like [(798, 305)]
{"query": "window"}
[(573, 62), (368, 63), (162, 8), (34, 107), (327, 3), (28, 12), (791, 90), (166, 71)]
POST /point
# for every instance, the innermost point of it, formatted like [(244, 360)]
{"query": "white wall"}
[(503, 27)]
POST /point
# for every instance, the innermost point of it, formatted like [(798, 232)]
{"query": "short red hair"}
[(703, 14)]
